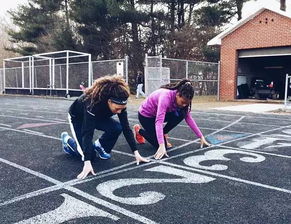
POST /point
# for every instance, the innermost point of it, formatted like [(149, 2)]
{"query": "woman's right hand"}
[(161, 152), (86, 170)]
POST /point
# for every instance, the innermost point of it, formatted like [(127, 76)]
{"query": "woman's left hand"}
[(203, 142), (139, 158)]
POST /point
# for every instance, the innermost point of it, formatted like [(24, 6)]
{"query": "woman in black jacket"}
[(94, 110)]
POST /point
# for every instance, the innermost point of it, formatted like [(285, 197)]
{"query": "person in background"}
[(139, 84), (170, 104), (94, 110)]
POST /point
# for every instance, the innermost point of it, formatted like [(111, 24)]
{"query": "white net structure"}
[(60, 72)]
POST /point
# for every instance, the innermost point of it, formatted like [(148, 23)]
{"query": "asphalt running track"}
[(244, 177)]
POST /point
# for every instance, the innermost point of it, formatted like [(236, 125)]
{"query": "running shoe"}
[(138, 137)]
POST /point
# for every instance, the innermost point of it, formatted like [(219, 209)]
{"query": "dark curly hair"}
[(106, 87)]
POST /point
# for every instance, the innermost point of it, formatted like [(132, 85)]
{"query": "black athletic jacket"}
[(81, 112)]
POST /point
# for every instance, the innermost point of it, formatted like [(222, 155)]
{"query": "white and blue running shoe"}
[(100, 150), (69, 144)]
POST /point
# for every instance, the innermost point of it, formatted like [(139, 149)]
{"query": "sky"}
[(10, 4), (248, 7)]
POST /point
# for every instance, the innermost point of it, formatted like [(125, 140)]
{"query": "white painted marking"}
[(29, 118), (236, 115), (111, 206), (269, 141), (48, 111), (71, 208), (35, 125), (149, 197), (227, 126), (31, 133), (81, 193), (287, 131), (27, 170), (219, 154), (254, 108), (6, 125), (228, 177), (259, 152), (27, 131), (179, 139)]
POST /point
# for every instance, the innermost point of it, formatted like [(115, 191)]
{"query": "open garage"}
[(262, 72), (255, 56)]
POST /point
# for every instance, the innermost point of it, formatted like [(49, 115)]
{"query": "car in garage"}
[(261, 89)]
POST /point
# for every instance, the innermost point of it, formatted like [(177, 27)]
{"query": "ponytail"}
[(184, 88)]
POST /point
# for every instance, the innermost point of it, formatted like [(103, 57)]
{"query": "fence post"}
[(187, 69), (90, 75), (67, 73), (4, 78), (22, 74), (126, 69), (50, 73), (286, 90), (29, 71), (54, 73), (218, 81), (161, 68), (32, 76), (146, 74)]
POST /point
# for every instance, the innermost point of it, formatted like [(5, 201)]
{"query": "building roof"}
[(217, 39)]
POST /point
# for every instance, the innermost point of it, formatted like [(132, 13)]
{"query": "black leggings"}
[(149, 128)]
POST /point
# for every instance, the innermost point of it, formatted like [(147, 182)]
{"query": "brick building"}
[(258, 46)]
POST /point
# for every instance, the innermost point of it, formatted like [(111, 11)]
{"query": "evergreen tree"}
[(40, 28)]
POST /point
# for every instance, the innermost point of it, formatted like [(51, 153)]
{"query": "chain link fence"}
[(48, 76), (203, 75)]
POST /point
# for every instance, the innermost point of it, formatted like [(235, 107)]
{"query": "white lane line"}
[(6, 125), (33, 132), (111, 206), (246, 115), (68, 183), (228, 177), (32, 194), (26, 131), (226, 142), (59, 121), (81, 193), (186, 126), (41, 111), (27, 170), (35, 119), (227, 126), (257, 151), (179, 139)]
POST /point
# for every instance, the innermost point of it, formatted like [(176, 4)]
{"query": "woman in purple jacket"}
[(170, 104)]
